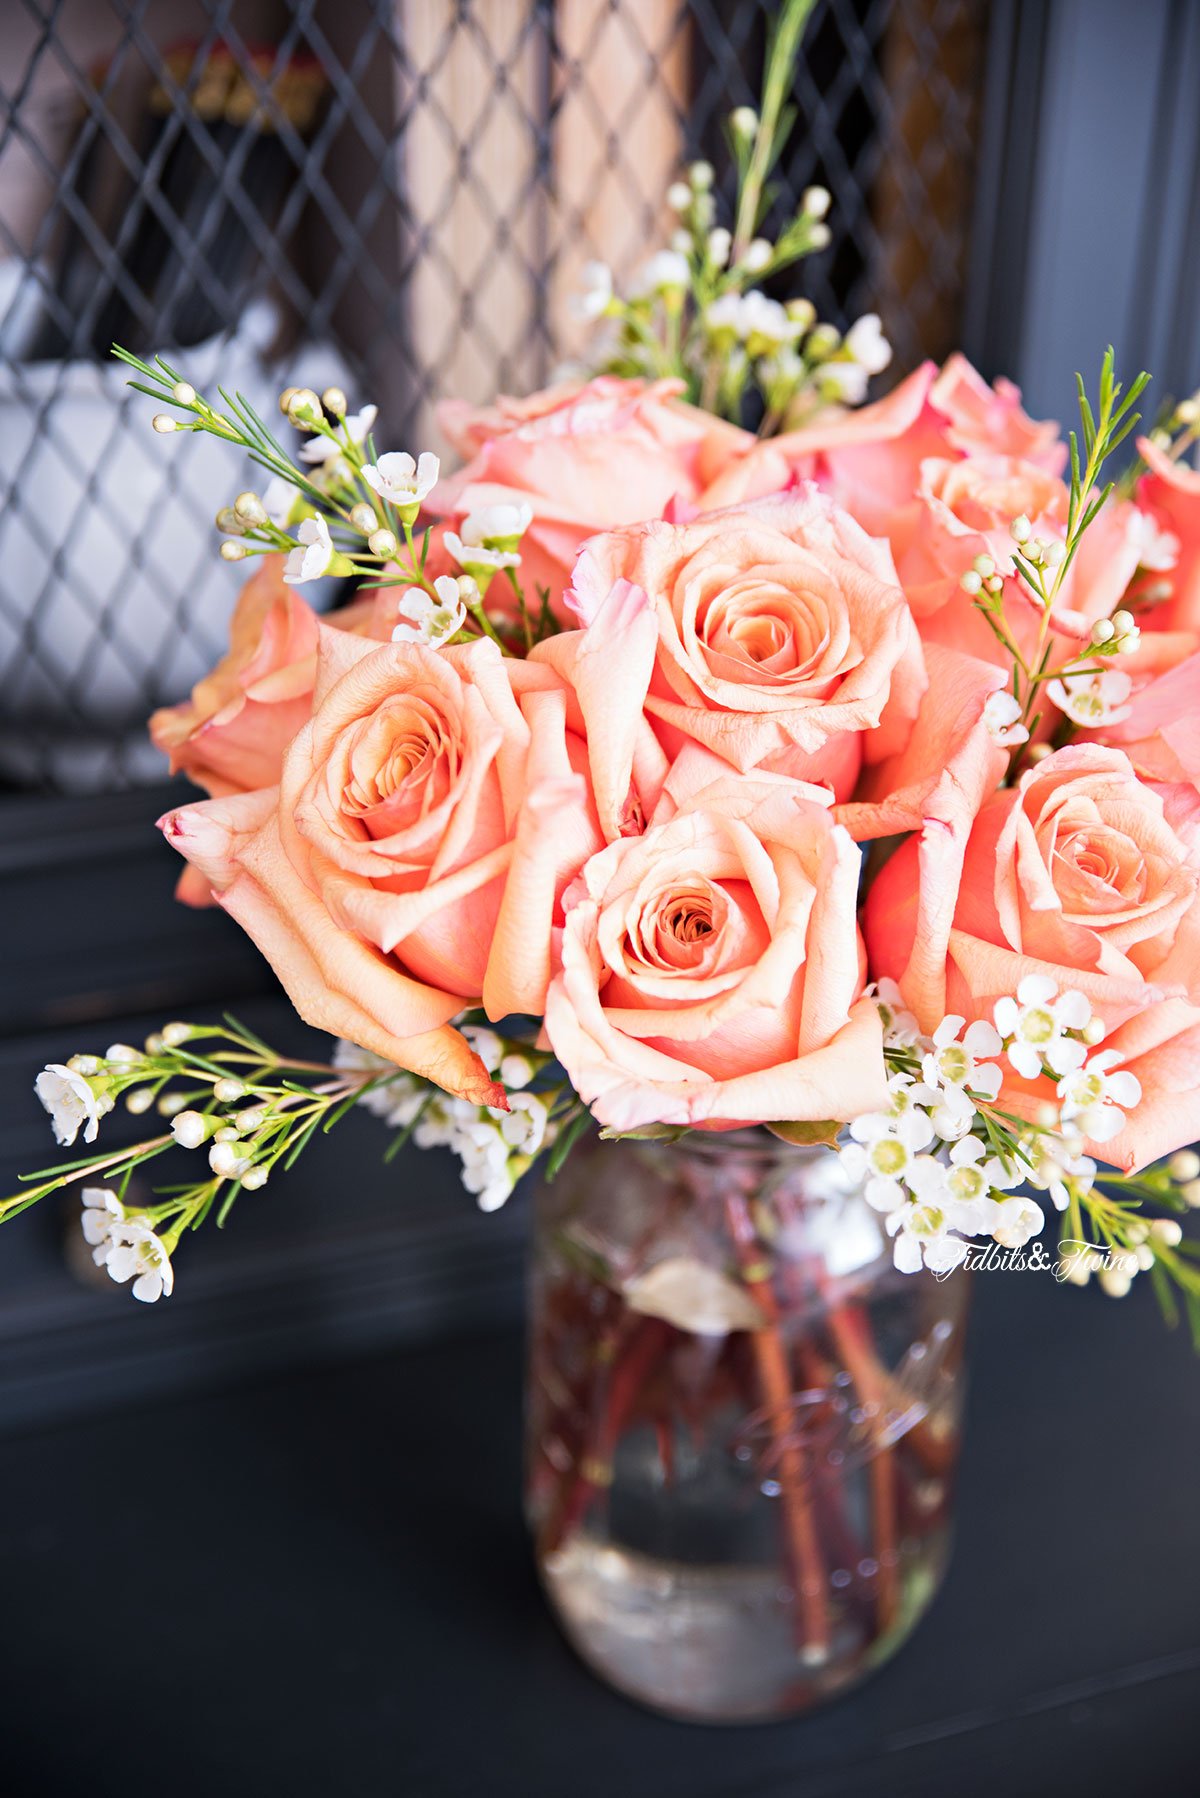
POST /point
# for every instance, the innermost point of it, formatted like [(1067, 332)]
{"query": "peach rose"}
[(711, 969), (1082, 874), (1170, 493), (585, 458), (965, 509), (869, 459), (781, 638), (230, 736), (406, 868), (987, 418), (1161, 734)]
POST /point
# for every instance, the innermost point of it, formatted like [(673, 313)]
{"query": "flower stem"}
[(775, 1380)]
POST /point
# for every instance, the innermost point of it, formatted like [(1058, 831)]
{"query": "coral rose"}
[(781, 637), (1082, 874), (585, 458), (406, 867), (711, 969)]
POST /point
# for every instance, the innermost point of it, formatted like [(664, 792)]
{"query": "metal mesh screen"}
[(393, 194)]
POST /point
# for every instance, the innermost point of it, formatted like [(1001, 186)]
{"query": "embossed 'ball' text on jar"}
[(743, 1423)]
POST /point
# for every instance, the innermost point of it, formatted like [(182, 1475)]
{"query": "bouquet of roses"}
[(840, 776)]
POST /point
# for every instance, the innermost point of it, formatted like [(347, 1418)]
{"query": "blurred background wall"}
[(399, 195)]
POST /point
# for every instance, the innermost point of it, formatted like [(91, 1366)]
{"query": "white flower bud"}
[(1166, 1231), (1038, 752), (382, 543), (171, 1103), (191, 1128), (1054, 552), (334, 400), (226, 1133), (254, 1177), (164, 424), (249, 508), (815, 202), (121, 1052), (250, 1120), (303, 408), (363, 518), (176, 1033), (1114, 1282), (984, 566), (228, 1090), (1185, 1165), (679, 196), (233, 552), (743, 121), (1093, 1031), (1102, 630), (758, 255), (701, 176), (1123, 622), (286, 398), (1143, 1254), (183, 393), (1020, 530), (140, 1100), (229, 522), (225, 1161), (516, 1071), (1187, 412), (1190, 1194), (153, 1044), (720, 243), (970, 582), (819, 236)]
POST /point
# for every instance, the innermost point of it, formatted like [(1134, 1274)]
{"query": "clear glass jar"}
[(743, 1423)]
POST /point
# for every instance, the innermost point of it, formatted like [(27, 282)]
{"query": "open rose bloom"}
[(835, 781)]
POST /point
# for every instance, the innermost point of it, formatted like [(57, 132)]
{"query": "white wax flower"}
[(1038, 1020), (312, 558), (596, 293), (667, 270), (1090, 700), (102, 1210), (403, 481), (429, 620), (867, 344), (139, 1255), (72, 1103), (1001, 718)]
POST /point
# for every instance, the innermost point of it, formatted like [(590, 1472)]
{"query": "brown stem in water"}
[(775, 1379), (851, 1335), (632, 1355)]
